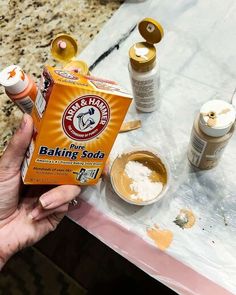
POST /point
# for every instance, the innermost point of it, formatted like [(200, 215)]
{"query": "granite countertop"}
[(27, 29)]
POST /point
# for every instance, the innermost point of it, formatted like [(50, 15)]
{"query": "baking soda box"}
[(76, 121)]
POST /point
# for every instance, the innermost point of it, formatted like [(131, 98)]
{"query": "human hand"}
[(24, 221)]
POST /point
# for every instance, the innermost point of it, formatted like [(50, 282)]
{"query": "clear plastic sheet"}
[(209, 246), (192, 72)]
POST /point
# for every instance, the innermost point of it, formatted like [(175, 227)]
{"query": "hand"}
[(24, 221)]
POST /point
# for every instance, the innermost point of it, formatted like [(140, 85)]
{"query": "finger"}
[(54, 212), (59, 195), (15, 152), (35, 191), (55, 219), (39, 213)]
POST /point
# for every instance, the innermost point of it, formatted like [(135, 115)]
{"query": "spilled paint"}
[(161, 237)]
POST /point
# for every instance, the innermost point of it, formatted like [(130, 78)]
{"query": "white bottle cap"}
[(14, 79), (216, 118)]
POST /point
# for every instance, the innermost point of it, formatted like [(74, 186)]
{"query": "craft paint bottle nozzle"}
[(61, 44)]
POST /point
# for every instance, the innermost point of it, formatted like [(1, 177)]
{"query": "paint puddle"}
[(161, 237), (185, 219)]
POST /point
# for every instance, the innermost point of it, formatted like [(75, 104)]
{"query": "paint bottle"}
[(212, 130), (19, 87), (64, 48), (144, 68)]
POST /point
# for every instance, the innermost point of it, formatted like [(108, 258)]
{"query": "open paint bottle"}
[(64, 48), (212, 129), (144, 68)]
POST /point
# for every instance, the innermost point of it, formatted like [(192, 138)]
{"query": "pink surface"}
[(156, 263)]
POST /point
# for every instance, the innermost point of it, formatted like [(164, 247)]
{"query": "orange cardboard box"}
[(76, 120)]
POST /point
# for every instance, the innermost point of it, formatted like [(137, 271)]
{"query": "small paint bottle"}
[(212, 129), (144, 68), (19, 87)]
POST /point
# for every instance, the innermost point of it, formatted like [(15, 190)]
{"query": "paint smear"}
[(161, 237), (185, 219)]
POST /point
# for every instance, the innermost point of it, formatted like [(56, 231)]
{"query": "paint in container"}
[(140, 176)]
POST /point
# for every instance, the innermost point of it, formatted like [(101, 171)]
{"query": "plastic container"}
[(148, 157)]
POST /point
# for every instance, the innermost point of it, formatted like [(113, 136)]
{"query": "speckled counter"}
[(26, 31)]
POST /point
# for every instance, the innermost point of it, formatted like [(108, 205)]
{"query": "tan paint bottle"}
[(212, 130)]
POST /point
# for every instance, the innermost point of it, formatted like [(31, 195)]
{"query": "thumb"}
[(15, 152)]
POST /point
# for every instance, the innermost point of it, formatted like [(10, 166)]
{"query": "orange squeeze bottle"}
[(19, 87)]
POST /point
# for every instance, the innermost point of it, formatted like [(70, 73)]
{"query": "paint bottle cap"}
[(14, 79), (77, 66), (216, 118), (64, 48), (142, 56), (151, 30)]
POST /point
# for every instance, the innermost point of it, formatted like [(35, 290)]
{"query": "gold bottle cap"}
[(77, 66), (151, 30), (142, 56), (64, 47)]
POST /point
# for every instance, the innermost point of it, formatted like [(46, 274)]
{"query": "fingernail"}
[(30, 216), (23, 122), (33, 214), (43, 201)]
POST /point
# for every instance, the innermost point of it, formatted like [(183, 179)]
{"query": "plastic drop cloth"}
[(192, 72)]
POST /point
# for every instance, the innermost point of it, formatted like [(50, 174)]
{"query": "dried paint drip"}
[(212, 116), (129, 126), (185, 219), (161, 237)]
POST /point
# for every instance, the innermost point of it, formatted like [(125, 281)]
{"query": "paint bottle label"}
[(25, 104), (40, 104), (146, 92), (196, 149)]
